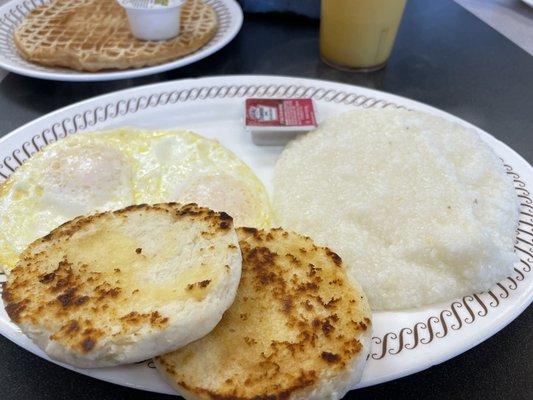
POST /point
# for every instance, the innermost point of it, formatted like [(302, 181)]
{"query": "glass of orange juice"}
[(359, 34)]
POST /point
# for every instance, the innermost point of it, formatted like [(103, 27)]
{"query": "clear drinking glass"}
[(358, 35)]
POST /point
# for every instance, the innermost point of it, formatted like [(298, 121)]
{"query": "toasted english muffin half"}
[(298, 329), (123, 286)]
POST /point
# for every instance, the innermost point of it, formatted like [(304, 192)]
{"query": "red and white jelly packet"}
[(274, 122)]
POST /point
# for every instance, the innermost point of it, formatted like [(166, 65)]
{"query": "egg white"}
[(100, 171)]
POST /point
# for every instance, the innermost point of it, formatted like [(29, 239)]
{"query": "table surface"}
[(512, 18), (444, 56)]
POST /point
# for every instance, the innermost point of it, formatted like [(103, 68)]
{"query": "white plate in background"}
[(229, 15)]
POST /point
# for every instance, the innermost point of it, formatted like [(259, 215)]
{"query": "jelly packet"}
[(274, 122)]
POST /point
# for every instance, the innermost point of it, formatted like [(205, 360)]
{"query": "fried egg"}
[(100, 171)]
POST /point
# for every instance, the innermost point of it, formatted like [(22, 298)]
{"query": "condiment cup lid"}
[(150, 4)]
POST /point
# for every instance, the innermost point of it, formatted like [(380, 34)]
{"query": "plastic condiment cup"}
[(151, 20)]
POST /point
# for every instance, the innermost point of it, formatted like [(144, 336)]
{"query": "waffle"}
[(93, 35)]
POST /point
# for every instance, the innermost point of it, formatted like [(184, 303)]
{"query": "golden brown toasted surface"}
[(92, 35), (111, 275), (295, 319)]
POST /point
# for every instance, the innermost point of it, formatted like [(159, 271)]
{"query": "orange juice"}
[(359, 34)]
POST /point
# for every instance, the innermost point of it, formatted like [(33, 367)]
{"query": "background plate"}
[(404, 342), (228, 12)]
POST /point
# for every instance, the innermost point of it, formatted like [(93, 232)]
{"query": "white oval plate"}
[(404, 342), (229, 16)]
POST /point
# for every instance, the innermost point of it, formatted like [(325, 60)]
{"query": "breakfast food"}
[(419, 208), (298, 329), (123, 286), (92, 35), (101, 171)]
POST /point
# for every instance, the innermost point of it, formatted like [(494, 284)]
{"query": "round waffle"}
[(92, 35)]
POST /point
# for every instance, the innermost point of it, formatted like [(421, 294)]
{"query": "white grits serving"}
[(419, 208)]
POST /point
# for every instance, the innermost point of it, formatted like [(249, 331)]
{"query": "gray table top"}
[(444, 56)]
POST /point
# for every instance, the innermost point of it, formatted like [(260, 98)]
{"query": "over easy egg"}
[(99, 171)]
